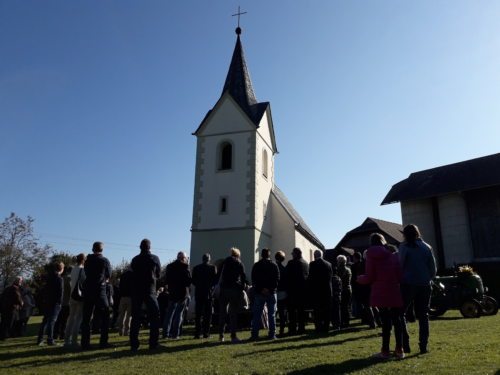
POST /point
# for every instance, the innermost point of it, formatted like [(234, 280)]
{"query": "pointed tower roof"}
[(239, 85)]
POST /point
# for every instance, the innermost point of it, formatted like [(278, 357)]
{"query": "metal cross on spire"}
[(238, 29)]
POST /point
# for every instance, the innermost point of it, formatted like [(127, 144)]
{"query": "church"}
[(236, 202)]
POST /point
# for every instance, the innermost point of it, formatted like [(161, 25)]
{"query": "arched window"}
[(225, 156), (264, 162)]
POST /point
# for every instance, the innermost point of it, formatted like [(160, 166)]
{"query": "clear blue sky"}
[(98, 100)]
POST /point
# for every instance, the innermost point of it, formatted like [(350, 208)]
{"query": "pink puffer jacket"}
[(384, 273)]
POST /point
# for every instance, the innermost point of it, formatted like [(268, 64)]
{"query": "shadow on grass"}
[(334, 340)]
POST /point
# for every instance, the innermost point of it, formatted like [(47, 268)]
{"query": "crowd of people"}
[(382, 285)]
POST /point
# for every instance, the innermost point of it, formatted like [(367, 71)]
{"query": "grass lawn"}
[(457, 346)]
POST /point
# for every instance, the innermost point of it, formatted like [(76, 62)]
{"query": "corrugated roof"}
[(300, 224), (467, 175)]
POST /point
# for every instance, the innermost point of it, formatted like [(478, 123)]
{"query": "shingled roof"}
[(467, 175), (300, 224), (373, 225)]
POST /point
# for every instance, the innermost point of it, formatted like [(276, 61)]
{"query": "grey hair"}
[(341, 259)]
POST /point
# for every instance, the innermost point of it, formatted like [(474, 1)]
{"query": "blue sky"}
[(98, 100)]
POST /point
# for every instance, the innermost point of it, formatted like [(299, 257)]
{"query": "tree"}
[(20, 252)]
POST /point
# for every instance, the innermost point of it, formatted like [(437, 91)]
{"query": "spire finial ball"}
[(238, 30)]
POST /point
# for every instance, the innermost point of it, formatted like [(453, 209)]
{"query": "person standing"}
[(204, 280), (320, 287), (345, 275), (297, 271), (125, 307), (11, 303), (95, 301), (178, 280), (146, 269), (75, 307), (360, 292), (26, 310), (265, 278), (419, 268), (53, 296), (232, 286), (281, 294), (62, 319), (383, 273)]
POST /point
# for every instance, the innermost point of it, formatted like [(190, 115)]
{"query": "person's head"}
[(318, 254), (296, 253), (377, 239), (80, 259), (145, 245), (182, 257), (18, 280), (97, 247), (265, 253), (279, 256), (235, 252), (58, 267), (341, 260), (357, 257), (411, 233), (205, 258)]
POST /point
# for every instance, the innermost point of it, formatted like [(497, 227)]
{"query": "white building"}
[(236, 202)]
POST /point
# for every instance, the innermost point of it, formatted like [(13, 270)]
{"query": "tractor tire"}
[(489, 306), (436, 311), (471, 309)]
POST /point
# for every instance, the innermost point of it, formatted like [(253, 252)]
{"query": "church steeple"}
[(238, 82)]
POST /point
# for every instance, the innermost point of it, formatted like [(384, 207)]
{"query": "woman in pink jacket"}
[(384, 274)]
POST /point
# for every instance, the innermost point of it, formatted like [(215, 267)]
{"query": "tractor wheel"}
[(471, 309), (436, 311), (489, 306)]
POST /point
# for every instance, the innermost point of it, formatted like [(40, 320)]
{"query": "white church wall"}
[(305, 245), (283, 229), (227, 117), (265, 132), (231, 184), (263, 187), (455, 231)]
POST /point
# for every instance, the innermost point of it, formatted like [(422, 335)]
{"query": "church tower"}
[(235, 200)]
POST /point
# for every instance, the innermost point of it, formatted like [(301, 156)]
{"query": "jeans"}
[(391, 316), (48, 322), (173, 318), (154, 319), (258, 307), (74, 322), (421, 297), (95, 304), (203, 309)]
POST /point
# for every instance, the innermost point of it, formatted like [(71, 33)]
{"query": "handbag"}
[(245, 302), (77, 292)]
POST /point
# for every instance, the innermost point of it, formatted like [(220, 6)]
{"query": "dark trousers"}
[(296, 314), (345, 308), (322, 314), (203, 316), (391, 317), (421, 298), (153, 311), (336, 320), (62, 319), (48, 322), (229, 304), (9, 318), (97, 305), (282, 312)]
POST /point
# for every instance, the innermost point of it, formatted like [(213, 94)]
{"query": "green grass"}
[(457, 346)]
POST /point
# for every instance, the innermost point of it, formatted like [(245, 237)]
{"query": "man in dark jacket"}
[(95, 300), (53, 297), (265, 277), (11, 303), (204, 280), (297, 271), (320, 286), (146, 270), (178, 280), (282, 291)]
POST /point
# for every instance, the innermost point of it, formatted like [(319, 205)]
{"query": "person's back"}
[(178, 279), (233, 274), (418, 263), (126, 282), (265, 275), (204, 279), (97, 271), (146, 270), (297, 272), (320, 278)]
